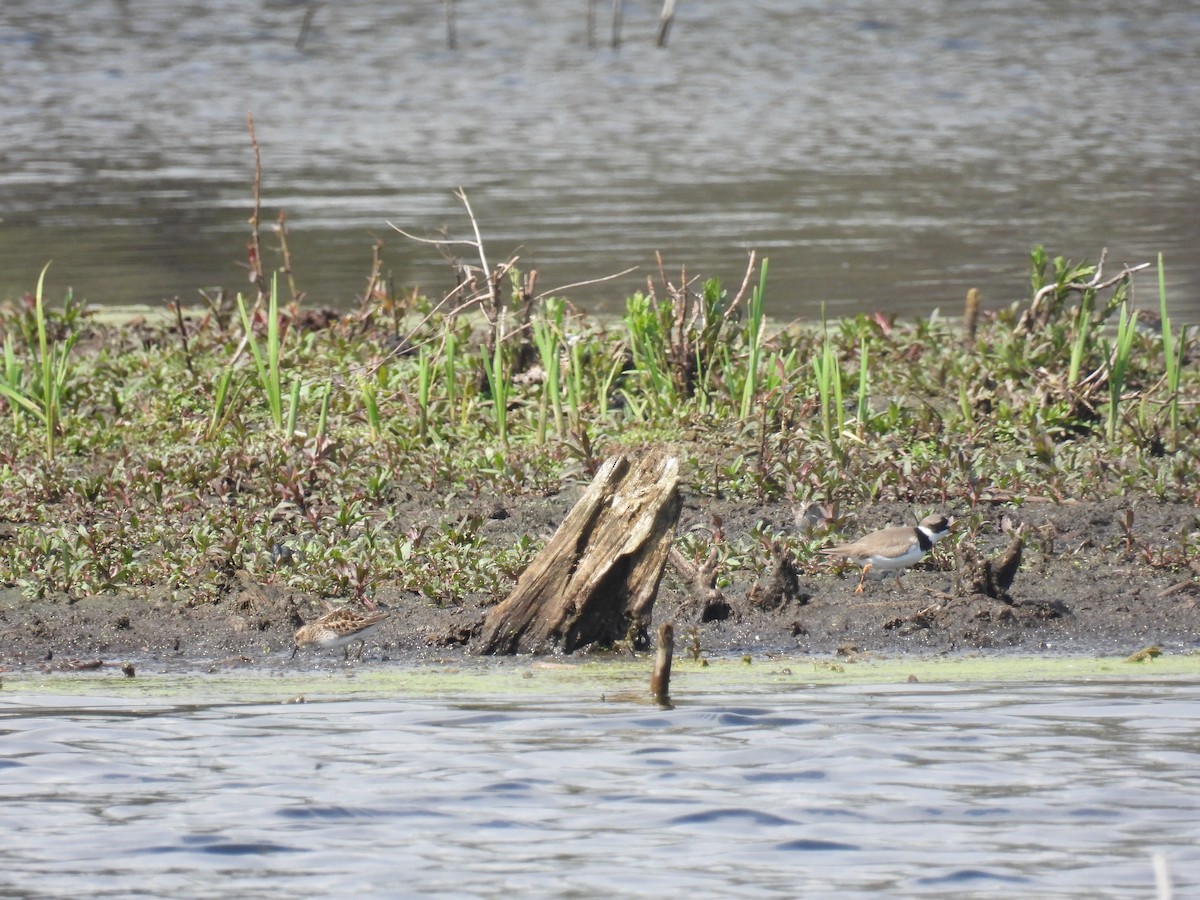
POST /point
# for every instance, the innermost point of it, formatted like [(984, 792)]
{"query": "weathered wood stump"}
[(990, 577), (595, 582)]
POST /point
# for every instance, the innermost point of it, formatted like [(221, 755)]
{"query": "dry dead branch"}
[(1038, 314)]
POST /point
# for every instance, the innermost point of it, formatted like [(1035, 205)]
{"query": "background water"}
[(915, 790), (883, 157)]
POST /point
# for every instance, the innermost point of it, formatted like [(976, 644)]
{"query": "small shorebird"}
[(339, 628), (893, 548)]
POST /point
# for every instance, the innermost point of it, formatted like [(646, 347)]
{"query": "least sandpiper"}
[(340, 628), (893, 548)]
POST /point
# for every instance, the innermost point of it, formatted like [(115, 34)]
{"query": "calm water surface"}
[(1046, 790), (883, 156)]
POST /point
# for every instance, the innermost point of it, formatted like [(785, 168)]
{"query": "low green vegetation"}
[(617, 681), (307, 449), (39, 391)]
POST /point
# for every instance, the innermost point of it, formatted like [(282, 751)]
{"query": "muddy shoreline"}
[(1088, 585)]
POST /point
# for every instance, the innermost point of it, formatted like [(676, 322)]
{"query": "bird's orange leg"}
[(862, 581)]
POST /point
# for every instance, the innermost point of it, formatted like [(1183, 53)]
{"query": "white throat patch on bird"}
[(895, 548)]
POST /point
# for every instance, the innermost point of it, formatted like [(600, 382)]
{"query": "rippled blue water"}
[(1045, 790), (884, 156)]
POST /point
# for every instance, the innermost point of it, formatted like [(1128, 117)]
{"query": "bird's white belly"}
[(906, 559), (334, 641)]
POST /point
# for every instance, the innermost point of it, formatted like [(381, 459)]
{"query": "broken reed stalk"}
[(618, 12), (664, 22), (660, 678), (971, 317)]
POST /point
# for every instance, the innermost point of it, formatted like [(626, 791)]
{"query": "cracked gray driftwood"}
[(595, 582)]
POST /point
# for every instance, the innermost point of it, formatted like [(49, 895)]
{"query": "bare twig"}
[(1035, 315), (702, 578), (1127, 270), (488, 297), (575, 284), (373, 277), (662, 271), (281, 230), (493, 290), (1095, 284), (1178, 586), (1164, 889), (729, 311), (618, 12), (374, 367), (493, 278), (441, 242)]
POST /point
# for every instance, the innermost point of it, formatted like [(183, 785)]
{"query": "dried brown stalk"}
[(489, 298), (187, 351), (971, 317), (281, 230)]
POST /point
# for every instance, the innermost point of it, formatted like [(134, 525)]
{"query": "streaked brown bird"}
[(339, 628)]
